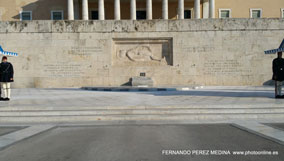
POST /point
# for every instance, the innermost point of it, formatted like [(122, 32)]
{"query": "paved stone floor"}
[(142, 143), (115, 141), (6, 130), (277, 125), (74, 98)]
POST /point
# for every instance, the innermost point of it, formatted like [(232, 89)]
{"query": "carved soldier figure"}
[(141, 53), (278, 74)]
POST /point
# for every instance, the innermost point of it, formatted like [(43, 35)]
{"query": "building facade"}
[(138, 9)]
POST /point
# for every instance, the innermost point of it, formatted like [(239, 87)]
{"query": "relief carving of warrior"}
[(139, 54)]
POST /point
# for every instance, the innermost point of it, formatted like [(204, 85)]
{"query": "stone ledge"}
[(78, 26)]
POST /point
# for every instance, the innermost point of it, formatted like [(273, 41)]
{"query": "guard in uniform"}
[(1, 99), (278, 74), (7, 76)]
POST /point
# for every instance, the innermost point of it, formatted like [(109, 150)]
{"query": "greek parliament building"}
[(138, 9), (76, 43)]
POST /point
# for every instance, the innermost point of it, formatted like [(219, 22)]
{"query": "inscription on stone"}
[(85, 51), (198, 49), (63, 70), (224, 67), (142, 74)]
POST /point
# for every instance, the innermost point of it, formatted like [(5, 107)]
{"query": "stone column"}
[(70, 10), (85, 10), (197, 9), (117, 9), (133, 9), (149, 9), (212, 9), (165, 10), (101, 10), (180, 9), (205, 9)]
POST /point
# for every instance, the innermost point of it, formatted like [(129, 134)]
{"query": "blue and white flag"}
[(273, 51), (7, 53)]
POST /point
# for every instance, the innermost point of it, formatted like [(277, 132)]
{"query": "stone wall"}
[(172, 52)]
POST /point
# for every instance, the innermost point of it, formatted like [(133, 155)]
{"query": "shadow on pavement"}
[(262, 93), (208, 93)]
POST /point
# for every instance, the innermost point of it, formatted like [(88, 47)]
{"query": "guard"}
[(6, 84), (278, 74), (278, 69), (7, 76)]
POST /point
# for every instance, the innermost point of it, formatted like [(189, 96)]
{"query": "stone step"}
[(141, 117), (161, 111), (62, 108)]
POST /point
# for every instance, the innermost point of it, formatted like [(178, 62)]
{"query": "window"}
[(187, 14), (94, 15), (225, 13), (255, 13), (25, 15), (57, 15), (141, 14), (282, 12)]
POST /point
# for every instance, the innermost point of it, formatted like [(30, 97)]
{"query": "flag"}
[(7, 53)]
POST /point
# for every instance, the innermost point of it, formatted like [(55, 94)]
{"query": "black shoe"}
[(282, 96), (1, 99), (6, 99), (278, 96)]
